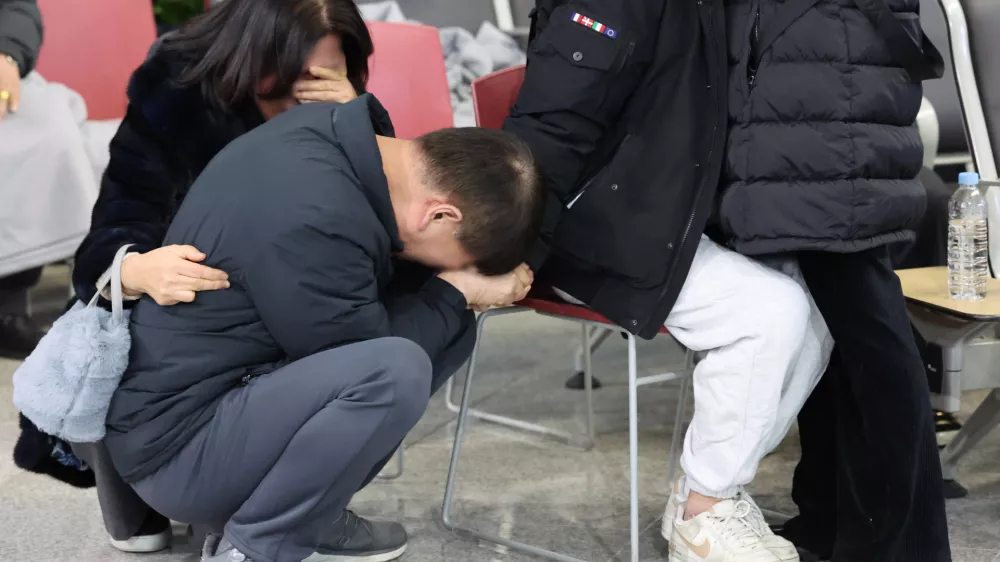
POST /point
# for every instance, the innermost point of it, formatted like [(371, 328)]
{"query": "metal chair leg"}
[(449, 491), (677, 436), (633, 448), (465, 411), (984, 420), (399, 467), (449, 388), (588, 380), (585, 442), (598, 337), (463, 416)]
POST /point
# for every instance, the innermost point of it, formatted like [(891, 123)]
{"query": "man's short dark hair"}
[(494, 179)]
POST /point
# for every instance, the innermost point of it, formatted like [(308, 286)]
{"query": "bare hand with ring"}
[(10, 85)]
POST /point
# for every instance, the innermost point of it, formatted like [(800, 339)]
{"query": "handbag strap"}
[(117, 306), (921, 61), (115, 281)]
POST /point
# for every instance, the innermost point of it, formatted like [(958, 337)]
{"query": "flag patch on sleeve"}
[(595, 25)]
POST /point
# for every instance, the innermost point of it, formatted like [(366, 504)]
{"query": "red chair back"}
[(494, 94), (407, 75), (93, 46)]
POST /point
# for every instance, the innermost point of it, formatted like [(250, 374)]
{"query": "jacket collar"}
[(360, 120)]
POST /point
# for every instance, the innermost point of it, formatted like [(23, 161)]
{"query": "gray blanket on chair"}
[(466, 56)]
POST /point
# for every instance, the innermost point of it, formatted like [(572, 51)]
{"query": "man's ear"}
[(441, 212)]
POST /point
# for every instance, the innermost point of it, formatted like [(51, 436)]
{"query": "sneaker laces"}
[(742, 526), (756, 514)]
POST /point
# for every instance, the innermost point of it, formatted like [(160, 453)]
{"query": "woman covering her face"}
[(224, 73)]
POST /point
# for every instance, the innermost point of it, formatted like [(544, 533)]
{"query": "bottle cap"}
[(968, 178)]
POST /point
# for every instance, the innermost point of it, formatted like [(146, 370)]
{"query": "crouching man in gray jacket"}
[(259, 410)]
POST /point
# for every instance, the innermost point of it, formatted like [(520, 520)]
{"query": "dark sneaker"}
[(18, 336), (946, 427), (355, 539), (218, 549)]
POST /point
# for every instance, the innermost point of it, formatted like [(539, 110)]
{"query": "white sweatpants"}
[(766, 346)]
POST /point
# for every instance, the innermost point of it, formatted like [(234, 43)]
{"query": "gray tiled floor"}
[(555, 496)]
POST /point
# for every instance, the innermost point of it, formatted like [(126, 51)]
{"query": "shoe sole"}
[(678, 553), (944, 438), (384, 556), (144, 544)]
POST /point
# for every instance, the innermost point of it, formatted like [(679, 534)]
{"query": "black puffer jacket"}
[(823, 153)]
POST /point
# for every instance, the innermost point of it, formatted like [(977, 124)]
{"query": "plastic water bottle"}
[(968, 261)]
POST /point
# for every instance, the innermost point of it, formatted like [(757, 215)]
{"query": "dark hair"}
[(234, 45), (494, 179)]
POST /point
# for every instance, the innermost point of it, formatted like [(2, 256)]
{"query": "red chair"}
[(493, 96), (407, 75), (93, 46)]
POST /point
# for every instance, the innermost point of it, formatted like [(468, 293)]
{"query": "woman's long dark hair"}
[(238, 43)]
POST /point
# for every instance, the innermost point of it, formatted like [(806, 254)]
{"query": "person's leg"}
[(930, 249), (890, 504), (445, 366), (18, 334), (132, 525), (814, 488), (282, 456), (754, 322)]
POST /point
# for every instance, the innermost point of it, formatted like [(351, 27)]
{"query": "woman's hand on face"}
[(170, 275), (326, 85), (10, 87)]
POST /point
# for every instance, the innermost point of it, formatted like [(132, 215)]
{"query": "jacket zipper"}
[(751, 66), (701, 185)]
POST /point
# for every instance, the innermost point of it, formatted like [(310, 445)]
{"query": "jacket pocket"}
[(604, 227), (602, 171), (577, 61)]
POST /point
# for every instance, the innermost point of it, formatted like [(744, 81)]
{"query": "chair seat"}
[(554, 307)]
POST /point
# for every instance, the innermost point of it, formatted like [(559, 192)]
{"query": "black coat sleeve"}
[(21, 32), (136, 202), (316, 289), (411, 283)]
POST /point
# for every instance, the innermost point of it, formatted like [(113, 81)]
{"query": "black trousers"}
[(14, 291), (876, 494)]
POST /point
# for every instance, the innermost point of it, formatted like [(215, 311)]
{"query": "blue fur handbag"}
[(65, 386)]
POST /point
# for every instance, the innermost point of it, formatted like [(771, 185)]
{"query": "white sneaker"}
[(729, 532), (145, 544), (675, 501), (770, 539)]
